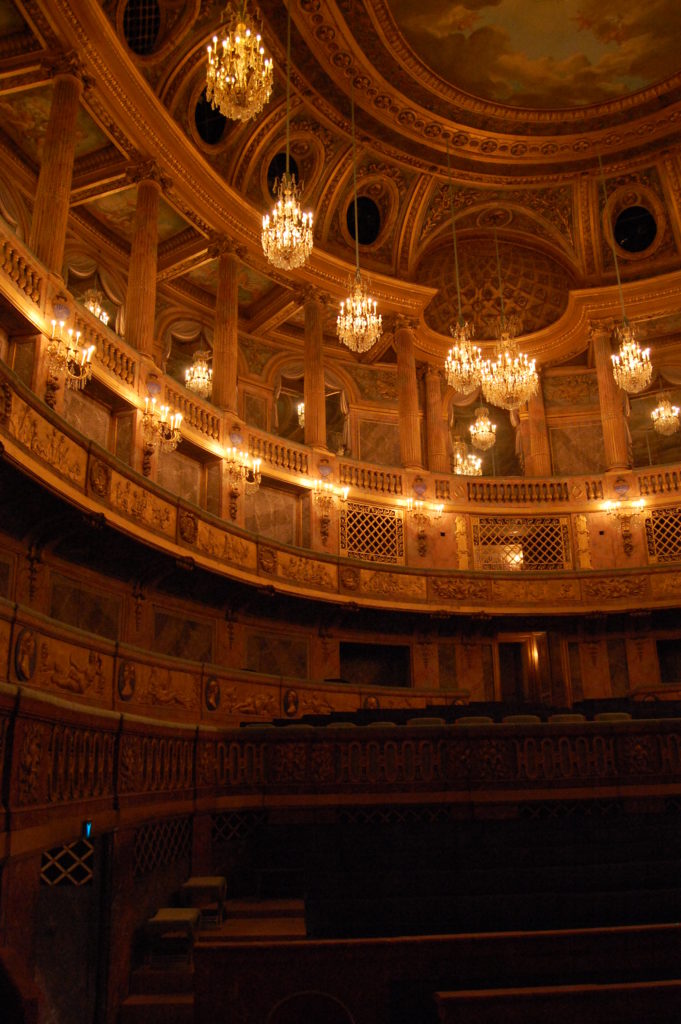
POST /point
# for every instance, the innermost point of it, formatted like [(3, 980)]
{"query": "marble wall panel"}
[(5, 578), (180, 475), (213, 487), (577, 449), (182, 637), (92, 610), (89, 417), (124, 438), (447, 660), (24, 359), (379, 443), (619, 670), (574, 390), (255, 411), (277, 655), (272, 513), (375, 385)]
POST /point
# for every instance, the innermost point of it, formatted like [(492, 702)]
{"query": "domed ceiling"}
[(543, 54)]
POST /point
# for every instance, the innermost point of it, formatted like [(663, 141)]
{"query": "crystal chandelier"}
[(631, 366), (357, 325), (483, 431), (510, 379), (286, 237), (239, 75), (199, 376), (665, 417), (93, 302), (465, 463), (463, 365), (160, 427), (68, 358)]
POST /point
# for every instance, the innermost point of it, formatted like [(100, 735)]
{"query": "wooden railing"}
[(20, 267)]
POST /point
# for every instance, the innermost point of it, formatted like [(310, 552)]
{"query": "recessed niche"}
[(210, 123), (368, 220), (277, 169), (141, 25), (635, 229)]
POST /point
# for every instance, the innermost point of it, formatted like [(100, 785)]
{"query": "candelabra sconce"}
[(326, 497), (160, 429), (68, 360), (628, 515), (243, 474), (301, 414), (421, 518)]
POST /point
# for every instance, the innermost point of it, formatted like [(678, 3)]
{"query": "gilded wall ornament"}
[(25, 653), (127, 680)]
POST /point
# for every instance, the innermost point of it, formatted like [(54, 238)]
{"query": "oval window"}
[(635, 229), (210, 123), (278, 167), (368, 220)]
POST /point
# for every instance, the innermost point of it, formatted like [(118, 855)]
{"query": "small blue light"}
[(87, 829)]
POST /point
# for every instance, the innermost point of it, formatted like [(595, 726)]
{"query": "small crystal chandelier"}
[(199, 376), (357, 325), (483, 431), (665, 417), (301, 414), (286, 237), (160, 427), (631, 366), (464, 462), (68, 358), (510, 379), (243, 475), (93, 302), (239, 75), (463, 365)]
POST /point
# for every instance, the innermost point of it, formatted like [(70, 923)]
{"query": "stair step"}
[(158, 1009), (169, 981), (260, 929), (255, 908)]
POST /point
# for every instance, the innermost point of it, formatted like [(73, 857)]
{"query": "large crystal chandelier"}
[(199, 376), (631, 366), (358, 325), (239, 75), (286, 237), (464, 462), (665, 417), (483, 431), (68, 358), (463, 364), (511, 378)]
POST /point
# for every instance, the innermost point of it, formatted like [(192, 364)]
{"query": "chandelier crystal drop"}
[(483, 431), (463, 365), (631, 366), (358, 325), (510, 379), (287, 238), (665, 417), (68, 358), (199, 376), (465, 462), (239, 74)]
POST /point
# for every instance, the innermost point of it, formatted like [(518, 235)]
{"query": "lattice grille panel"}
[(71, 864), (162, 844), (516, 544), (663, 535), (544, 810), (393, 815), (235, 826), (372, 533)]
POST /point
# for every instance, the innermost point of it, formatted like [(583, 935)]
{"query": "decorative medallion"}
[(212, 694), (127, 680), (290, 703), (25, 655), (100, 478), (188, 526)]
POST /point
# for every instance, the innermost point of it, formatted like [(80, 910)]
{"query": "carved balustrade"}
[(112, 354), (20, 272)]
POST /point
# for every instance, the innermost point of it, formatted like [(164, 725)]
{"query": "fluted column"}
[(613, 402), (407, 396), (226, 336), (538, 462), (313, 383), (435, 432), (51, 207), (141, 295)]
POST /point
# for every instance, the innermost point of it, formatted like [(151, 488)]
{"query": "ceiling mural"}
[(24, 116), (117, 212), (253, 286), (539, 54)]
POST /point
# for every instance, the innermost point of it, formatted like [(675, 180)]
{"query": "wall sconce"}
[(627, 515), (93, 303), (67, 359), (160, 429), (243, 475), (301, 414), (325, 496), (421, 517)]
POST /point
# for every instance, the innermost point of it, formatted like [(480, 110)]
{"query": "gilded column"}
[(407, 396), (435, 432), (141, 295), (313, 384), (53, 193), (538, 462), (226, 336), (613, 401)]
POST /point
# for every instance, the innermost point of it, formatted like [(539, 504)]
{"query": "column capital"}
[(223, 245), (69, 64), (400, 322), (310, 293), (147, 170), (599, 328)]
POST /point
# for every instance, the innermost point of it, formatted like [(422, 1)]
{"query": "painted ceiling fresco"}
[(543, 53), (252, 285), (117, 212), (24, 118)]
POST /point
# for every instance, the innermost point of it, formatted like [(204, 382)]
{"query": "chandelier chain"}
[(456, 250)]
